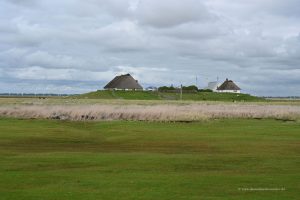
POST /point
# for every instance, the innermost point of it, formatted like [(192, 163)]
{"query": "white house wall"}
[(229, 91)]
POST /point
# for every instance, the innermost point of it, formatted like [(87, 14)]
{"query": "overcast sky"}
[(75, 46)]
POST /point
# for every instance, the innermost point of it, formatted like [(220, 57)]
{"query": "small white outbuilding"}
[(212, 86)]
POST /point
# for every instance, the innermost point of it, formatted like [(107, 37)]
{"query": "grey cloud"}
[(58, 43), (195, 31), (290, 8), (253, 8), (23, 2), (170, 13)]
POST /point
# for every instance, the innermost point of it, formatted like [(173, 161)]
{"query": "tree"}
[(190, 88)]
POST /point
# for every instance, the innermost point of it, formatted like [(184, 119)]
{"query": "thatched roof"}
[(124, 82), (228, 85)]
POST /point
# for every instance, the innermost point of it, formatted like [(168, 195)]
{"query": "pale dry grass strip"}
[(191, 112)]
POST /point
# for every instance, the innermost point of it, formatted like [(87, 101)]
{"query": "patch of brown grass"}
[(164, 112)]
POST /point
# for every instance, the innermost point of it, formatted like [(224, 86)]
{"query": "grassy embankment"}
[(149, 95), (46, 159)]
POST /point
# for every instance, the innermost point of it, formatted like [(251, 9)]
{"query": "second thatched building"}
[(229, 86)]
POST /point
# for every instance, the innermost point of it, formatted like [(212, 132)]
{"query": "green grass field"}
[(44, 159), (149, 95)]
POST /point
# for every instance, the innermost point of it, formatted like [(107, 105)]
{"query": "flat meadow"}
[(60, 148)]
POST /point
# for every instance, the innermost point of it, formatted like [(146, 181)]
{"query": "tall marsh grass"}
[(164, 112)]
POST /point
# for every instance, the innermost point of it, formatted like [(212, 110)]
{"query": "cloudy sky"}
[(75, 46)]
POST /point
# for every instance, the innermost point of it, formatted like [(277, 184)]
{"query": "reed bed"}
[(191, 112)]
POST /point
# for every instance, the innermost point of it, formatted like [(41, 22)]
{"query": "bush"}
[(190, 88), (166, 88), (205, 90)]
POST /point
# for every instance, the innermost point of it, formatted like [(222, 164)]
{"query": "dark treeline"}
[(191, 88)]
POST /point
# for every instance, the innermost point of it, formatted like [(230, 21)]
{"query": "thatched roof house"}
[(229, 86), (123, 82)]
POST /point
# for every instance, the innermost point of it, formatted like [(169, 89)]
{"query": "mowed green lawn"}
[(43, 159)]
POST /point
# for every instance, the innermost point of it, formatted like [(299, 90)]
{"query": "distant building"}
[(151, 88), (212, 86), (229, 86), (123, 82)]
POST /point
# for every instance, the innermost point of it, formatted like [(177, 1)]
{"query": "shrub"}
[(205, 90), (190, 88), (166, 88)]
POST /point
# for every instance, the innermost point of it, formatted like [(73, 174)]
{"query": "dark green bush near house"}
[(205, 90), (166, 88), (184, 88), (190, 88)]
